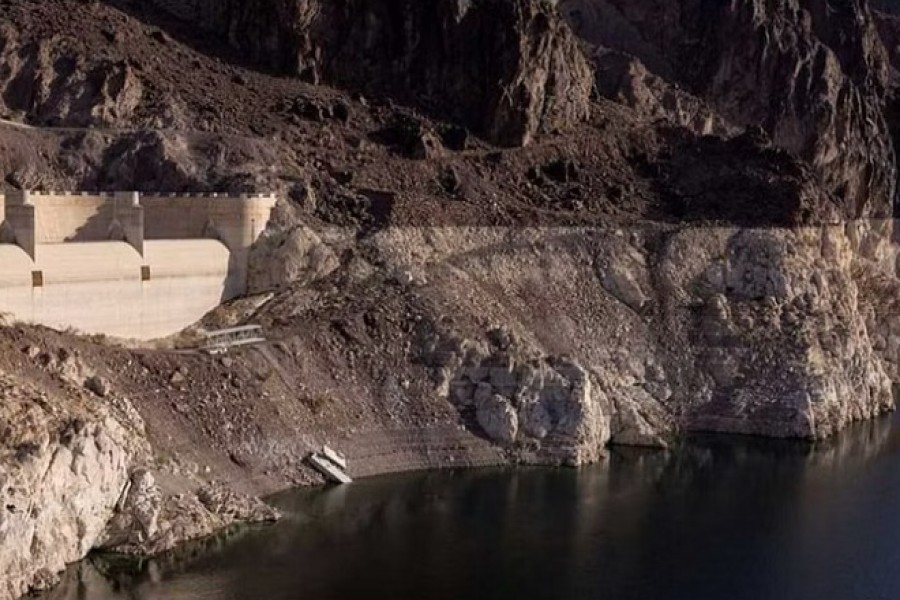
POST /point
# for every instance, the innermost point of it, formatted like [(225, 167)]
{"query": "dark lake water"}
[(720, 518)]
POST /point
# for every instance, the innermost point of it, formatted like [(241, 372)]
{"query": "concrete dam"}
[(124, 264)]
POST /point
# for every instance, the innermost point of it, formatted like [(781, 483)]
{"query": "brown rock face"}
[(812, 73), (888, 19), (267, 32), (886, 6), (506, 68), (42, 78)]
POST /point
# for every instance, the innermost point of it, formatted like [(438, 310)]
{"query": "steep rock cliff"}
[(44, 79), (811, 73), (62, 470), (418, 347), (736, 330), (889, 29), (509, 69), (206, 120), (75, 476)]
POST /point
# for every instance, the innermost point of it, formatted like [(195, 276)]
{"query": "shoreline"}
[(857, 441)]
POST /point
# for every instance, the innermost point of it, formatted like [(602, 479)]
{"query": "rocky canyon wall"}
[(736, 330), (62, 469), (76, 475), (423, 347), (508, 69), (554, 342), (811, 73), (440, 347)]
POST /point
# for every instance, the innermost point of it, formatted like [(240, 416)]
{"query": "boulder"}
[(535, 420), (97, 385), (295, 256), (638, 420), (497, 418)]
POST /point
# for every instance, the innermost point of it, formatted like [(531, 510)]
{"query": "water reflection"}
[(716, 518)]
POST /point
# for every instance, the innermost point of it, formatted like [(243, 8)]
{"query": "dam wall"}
[(32, 219), (79, 217), (236, 221), (122, 265)]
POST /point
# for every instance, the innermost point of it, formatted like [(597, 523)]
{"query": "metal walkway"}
[(220, 340)]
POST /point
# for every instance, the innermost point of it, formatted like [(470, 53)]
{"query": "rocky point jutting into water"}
[(507, 232)]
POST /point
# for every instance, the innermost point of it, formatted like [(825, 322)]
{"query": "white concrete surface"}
[(329, 470), (96, 287), (67, 218)]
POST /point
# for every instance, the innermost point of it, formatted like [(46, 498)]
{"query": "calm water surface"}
[(720, 518)]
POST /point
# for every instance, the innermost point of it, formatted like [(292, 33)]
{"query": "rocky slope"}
[(497, 242), (508, 69), (370, 161), (74, 475), (742, 330)]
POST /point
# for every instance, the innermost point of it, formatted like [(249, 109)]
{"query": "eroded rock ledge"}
[(632, 336), (73, 480)]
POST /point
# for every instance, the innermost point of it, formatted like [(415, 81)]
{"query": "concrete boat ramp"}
[(331, 465)]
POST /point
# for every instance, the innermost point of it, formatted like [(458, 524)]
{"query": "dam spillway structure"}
[(124, 264)]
